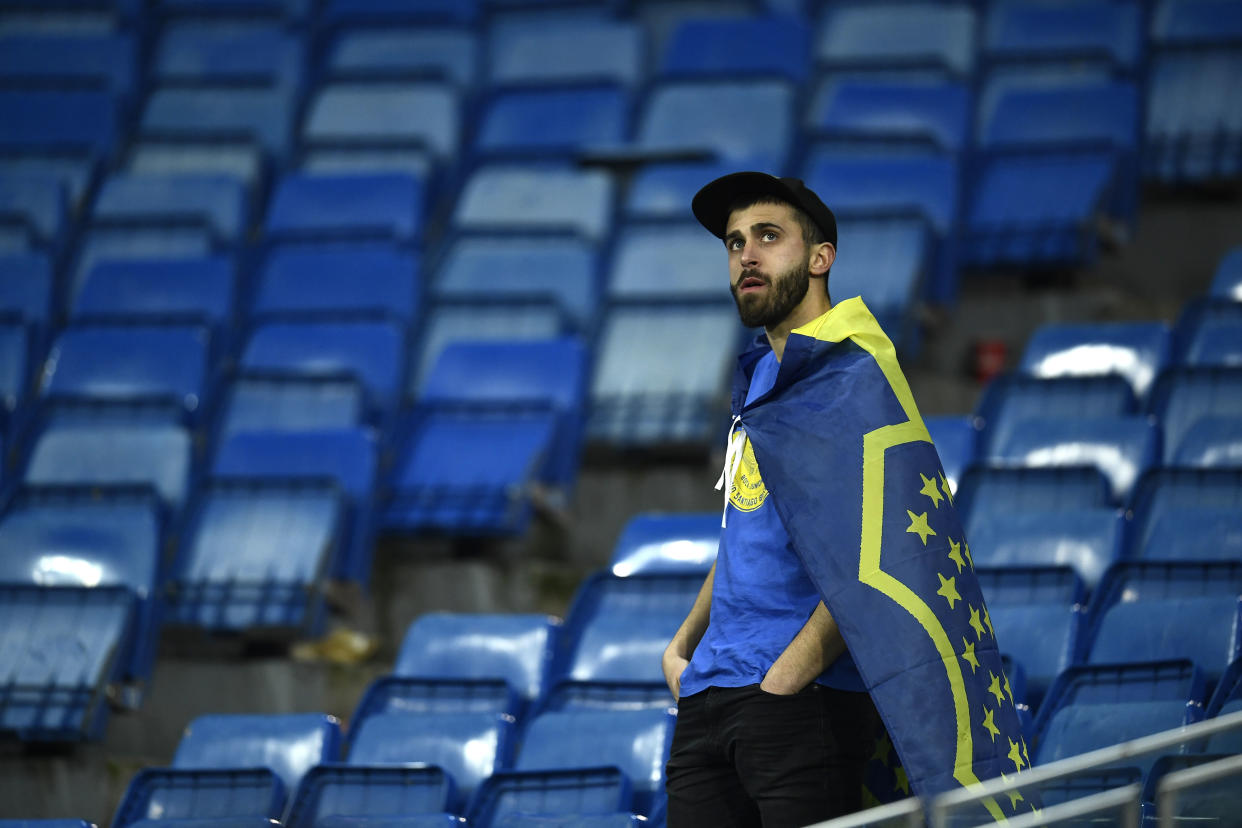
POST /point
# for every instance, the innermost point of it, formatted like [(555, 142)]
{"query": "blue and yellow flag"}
[(859, 487)]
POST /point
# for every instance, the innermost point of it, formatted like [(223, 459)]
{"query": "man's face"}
[(769, 271)]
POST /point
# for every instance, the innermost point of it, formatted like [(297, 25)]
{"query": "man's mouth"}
[(751, 283)]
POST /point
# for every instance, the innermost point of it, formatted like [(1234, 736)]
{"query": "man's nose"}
[(750, 256)]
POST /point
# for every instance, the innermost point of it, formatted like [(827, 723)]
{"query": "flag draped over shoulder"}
[(859, 487)]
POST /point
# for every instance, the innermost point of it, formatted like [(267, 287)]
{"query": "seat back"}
[(514, 197), (360, 206), (1087, 539), (571, 50), (289, 744), (1137, 351), (553, 121), (283, 403), (1183, 395), (685, 116), (1188, 514), (939, 36), (655, 542), (323, 281), (398, 797), (746, 46)]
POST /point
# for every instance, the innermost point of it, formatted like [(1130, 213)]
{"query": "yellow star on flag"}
[(1015, 755), (975, 623), (987, 619), (1008, 690), (1014, 796), (966, 549), (995, 688), (931, 490), (989, 723), (955, 554), (1025, 755), (882, 749), (903, 782), (948, 589), (944, 484), (918, 525), (969, 655)]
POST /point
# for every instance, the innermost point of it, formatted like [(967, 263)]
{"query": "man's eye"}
[(769, 236), (735, 244)]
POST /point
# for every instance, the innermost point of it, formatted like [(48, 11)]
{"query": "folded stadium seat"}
[(227, 52), (62, 538), (278, 402), (409, 127), (385, 13), (888, 262), (65, 133), (133, 365), (105, 243), (991, 490), (438, 695), (1094, 706), (515, 647), (536, 197), (346, 456), (660, 372), (1187, 514), (578, 796), (1216, 340), (1137, 351), (373, 796), (1152, 610), (373, 353), (1012, 401), (1211, 442), (679, 262), (33, 212), (1085, 538), (1038, 618), (1028, 32), (254, 555), (572, 49), (82, 59), (402, 50), (733, 47), (347, 207), (560, 268), (617, 628), (659, 542), (214, 203), (1184, 395), (363, 281), (200, 798), (934, 38), (957, 443), (553, 121), (1193, 123), (1227, 280), (861, 112)]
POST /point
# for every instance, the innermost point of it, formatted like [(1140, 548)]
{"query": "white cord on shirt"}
[(733, 459)]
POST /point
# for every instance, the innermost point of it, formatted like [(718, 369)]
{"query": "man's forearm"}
[(814, 648), (678, 652)]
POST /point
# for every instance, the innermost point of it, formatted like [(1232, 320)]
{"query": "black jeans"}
[(744, 757)]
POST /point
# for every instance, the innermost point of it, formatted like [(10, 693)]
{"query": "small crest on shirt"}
[(747, 492)]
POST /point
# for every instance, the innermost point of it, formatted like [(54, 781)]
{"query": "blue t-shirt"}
[(761, 596)]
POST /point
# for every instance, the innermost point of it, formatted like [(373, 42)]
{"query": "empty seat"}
[(405, 695), (536, 198), (222, 798), (289, 744), (1152, 610), (354, 280), (1092, 707), (254, 555), (222, 128), (732, 47), (1010, 402), (662, 191), (936, 36), (363, 206), (1137, 351), (582, 795), (562, 268), (284, 403), (1193, 116), (169, 243), (578, 50), (660, 370), (216, 203), (553, 122), (1211, 442), (888, 263), (81, 59), (227, 52), (1188, 514), (985, 490), (193, 290), (346, 456), (1087, 539), (1217, 339), (379, 797), (861, 111), (455, 322), (1183, 395), (674, 262), (436, 52), (68, 123), (1027, 32), (655, 542), (516, 647)]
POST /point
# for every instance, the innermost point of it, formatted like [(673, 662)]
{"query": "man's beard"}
[(782, 296)]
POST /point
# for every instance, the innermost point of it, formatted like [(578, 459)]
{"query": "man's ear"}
[(822, 257)]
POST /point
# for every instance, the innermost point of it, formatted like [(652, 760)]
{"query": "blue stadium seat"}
[(131, 364), (487, 267), (227, 52), (377, 797), (407, 127), (618, 628), (984, 490), (214, 130), (289, 744), (441, 53), (1087, 539), (288, 11), (1183, 395), (688, 117), (516, 647), (70, 60), (589, 694), (1029, 32), (662, 261), (887, 263), (501, 377), (467, 746), (109, 453), (1196, 23), (889, 36), (957, 442), (254, 555), (614, 820), (283, 403), (324, 281), (1037, 616), (662, 191), (660, 369), (1137, 351), (538, 319), (373, 353), (26, 287), (63, 647), (1187, 514), (1193, 127), (552, 122), (1227, 280), (1217, 339), (215, 203), (580, 794), (1211, 442), (545, 51), (470, 475), (657, 542), (198, 291), (347, 456), (359, 207), (860, 111), (83, 538), (1091, 707), (217, 797), (636, 741), (1151, 610), (388, 12), (732, 47), (537, 198), (104, 243), (405, 695), (40, 121), (34, 211), (1010, 402)]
